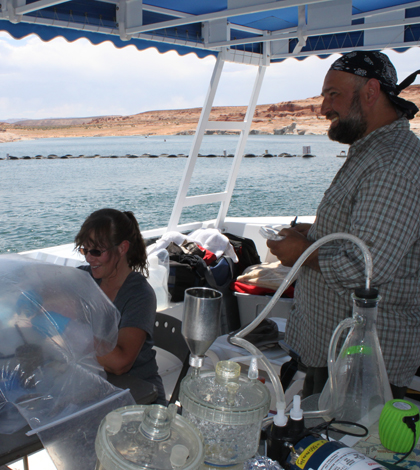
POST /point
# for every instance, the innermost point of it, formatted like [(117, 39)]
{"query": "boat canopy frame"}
[(254, 32), (250, 28)]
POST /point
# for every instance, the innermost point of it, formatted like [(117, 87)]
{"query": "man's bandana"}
[(373, 64)]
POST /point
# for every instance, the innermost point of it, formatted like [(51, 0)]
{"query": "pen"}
[(293, 222)]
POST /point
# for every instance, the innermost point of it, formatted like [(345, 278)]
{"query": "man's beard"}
[(352, 127)]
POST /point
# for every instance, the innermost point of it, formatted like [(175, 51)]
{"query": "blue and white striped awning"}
[(267, 31)]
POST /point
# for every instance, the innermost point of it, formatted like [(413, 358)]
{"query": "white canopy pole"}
[(182, 200)]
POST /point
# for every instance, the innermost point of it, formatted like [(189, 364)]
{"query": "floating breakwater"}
[(146, 155)]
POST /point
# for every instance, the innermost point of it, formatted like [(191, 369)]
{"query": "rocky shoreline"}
[(302, 117)]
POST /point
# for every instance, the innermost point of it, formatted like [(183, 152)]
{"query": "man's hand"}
[(302, 228), (290, 248)]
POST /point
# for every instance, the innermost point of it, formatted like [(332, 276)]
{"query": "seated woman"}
[(115, 250)]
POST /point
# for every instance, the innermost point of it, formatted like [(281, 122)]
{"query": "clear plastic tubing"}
[(238, 340)]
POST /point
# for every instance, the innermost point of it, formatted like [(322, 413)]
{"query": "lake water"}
[(44, 202)]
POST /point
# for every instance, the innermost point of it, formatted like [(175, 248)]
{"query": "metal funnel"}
[(201, 321)]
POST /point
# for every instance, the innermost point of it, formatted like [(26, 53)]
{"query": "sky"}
[(59, 79)]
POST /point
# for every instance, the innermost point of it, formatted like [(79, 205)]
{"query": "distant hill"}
[(54, 122), (12, 121), (291, 117)]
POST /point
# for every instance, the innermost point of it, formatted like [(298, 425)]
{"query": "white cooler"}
[(250, 306)]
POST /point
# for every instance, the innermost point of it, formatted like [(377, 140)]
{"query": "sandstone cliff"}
[(292, 117)]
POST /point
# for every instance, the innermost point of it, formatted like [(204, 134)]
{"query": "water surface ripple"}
[(44, 202)]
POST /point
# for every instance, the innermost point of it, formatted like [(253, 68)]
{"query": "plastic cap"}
[(157, 421), (227, 371), (179, 455), (280, 418), (296, 412), (113, 422)]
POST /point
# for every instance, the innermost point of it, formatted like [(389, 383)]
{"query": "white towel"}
[(209, 238), (165, 240)]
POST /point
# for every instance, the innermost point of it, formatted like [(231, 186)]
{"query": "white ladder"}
[(182, 200)]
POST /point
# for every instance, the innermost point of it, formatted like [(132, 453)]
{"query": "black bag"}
[(185, 271), (219, 276), (265, 334), (245, 250), (190, 270)]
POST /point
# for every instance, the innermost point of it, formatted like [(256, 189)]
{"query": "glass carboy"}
[(358, 385)]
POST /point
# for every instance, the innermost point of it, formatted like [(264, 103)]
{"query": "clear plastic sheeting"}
[(158, 277), (54, 321), (71, 442)]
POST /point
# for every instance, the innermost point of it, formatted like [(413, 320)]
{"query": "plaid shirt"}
[(376, 197)]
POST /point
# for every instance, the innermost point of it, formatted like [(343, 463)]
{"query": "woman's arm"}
[(129, 344)]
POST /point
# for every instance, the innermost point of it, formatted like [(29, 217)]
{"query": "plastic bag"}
[(71, 442), (54, 321), (158, 277)]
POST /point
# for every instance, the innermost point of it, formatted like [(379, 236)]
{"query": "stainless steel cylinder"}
[(201, 320)]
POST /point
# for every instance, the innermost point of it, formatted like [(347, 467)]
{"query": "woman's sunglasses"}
[(94, 252)]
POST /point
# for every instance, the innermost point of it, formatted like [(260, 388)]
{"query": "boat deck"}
[(169, 365)]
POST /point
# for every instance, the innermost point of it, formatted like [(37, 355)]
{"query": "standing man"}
[(376, 197)]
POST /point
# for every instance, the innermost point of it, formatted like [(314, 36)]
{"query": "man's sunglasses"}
[(94, 252)]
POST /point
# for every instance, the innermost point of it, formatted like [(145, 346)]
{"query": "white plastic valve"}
[(280, 419), (296, 413), (253, 369), (179, 456)]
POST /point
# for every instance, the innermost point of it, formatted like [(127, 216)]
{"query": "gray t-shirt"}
[(136, 301)]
